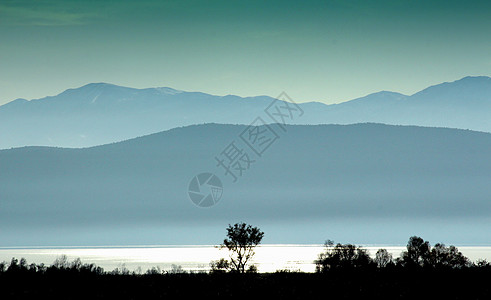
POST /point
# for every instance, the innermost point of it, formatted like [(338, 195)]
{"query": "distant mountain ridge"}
[(101, 113)]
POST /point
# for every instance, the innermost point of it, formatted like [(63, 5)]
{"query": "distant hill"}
[(101, 113), (360, 183)]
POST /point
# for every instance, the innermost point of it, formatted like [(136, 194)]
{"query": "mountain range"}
[(364, 183), (101, 113)]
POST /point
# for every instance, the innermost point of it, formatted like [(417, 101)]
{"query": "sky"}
[(327, 51)]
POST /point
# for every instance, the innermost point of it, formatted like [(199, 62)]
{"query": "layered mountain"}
[(102, 113), (359, 183)]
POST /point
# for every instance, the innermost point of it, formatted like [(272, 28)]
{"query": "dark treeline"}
[(418, 255), (343, 271)]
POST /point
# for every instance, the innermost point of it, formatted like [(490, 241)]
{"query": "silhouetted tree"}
[(447, 257), (420, 254), (23, 264), (482, 263), (76, 265), (176, 269), (13, 266), (61, 262), (341, 256), (417, 253), (220, 266), (33, 268), (122, 270), (42, 268), (154, 271), (383, 258), (241, 241)]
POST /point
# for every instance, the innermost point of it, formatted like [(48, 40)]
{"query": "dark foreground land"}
[(382, 284)]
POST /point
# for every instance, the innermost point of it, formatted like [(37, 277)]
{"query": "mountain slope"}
[(313, 183), (102, 113)]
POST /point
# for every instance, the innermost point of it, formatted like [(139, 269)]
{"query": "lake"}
[(268, 258)]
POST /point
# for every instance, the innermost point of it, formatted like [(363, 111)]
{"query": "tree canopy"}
[(241, 241)]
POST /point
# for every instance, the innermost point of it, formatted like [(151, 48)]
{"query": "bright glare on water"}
[(268, 258)]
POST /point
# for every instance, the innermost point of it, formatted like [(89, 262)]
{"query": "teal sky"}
[(328, 51)]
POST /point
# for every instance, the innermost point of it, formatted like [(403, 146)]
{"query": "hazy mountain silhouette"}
[(101, 113), (364, 182)]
